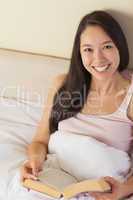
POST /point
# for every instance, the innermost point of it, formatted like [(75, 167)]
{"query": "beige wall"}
[(48, 26)]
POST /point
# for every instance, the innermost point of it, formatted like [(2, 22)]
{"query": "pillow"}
[(85, 157)]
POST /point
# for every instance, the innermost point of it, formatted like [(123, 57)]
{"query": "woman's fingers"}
[(30, 170), (36, 168), (30, 176), (26, 173)]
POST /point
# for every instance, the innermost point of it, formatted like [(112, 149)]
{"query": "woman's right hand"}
[(31, 168)]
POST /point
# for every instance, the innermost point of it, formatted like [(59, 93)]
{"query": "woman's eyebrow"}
[(108, 41), (89, 45), (86, 45)]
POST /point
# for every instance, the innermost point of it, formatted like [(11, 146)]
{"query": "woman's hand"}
[(31, 168), (116, 193)]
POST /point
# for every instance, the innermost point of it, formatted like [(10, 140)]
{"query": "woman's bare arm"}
[(38, 147)]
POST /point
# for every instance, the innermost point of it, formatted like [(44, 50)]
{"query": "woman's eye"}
[(88, 50), (108, 47)]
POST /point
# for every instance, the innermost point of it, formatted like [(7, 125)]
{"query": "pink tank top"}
[(114, 129)]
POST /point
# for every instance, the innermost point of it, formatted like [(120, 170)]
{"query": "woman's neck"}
[(106, 87)]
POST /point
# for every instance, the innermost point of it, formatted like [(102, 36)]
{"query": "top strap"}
[(126, 101)]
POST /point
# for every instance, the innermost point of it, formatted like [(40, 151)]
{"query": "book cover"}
[(57, 183)]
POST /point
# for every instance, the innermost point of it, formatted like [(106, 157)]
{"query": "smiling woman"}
[(100, 54)]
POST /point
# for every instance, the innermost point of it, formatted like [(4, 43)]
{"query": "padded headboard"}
[(28, 77)]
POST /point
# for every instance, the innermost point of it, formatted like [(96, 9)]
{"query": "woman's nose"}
[(98, 57)]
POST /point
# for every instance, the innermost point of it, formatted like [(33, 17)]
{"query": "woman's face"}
[(99, 54)]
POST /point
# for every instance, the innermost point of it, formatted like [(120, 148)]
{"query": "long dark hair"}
[(71, 96)]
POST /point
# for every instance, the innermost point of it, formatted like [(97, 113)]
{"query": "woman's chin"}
[(102, 75)]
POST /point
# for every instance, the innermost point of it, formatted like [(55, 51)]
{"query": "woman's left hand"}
[(116, 193)]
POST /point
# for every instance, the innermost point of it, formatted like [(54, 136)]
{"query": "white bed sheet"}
[(18, 122)]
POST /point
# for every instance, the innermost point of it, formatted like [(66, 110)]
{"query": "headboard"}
[(28, 77)]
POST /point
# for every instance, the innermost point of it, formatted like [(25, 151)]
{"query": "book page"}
[(56, 178)]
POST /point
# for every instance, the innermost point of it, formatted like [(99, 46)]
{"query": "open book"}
[(56, 183)]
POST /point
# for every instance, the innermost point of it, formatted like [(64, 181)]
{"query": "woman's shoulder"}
[(56, 83), (59, 79)]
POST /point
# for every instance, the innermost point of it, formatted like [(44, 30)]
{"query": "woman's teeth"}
[(101, 69)]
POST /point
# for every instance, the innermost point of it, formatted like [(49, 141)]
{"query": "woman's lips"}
[(102, 68)]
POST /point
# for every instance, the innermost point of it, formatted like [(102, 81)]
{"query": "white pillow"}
[(85, 157)]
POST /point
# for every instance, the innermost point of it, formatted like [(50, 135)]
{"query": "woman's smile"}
[(102, 68)]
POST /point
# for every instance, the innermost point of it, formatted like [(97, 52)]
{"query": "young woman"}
[(93, 86)]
